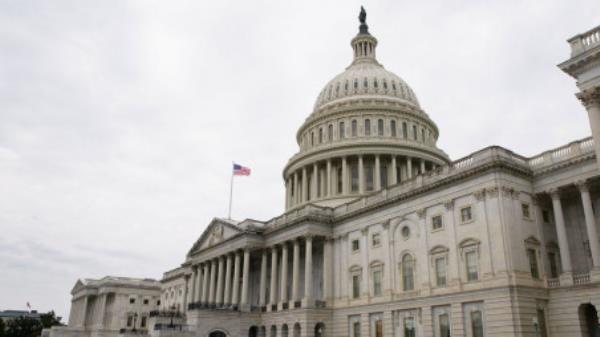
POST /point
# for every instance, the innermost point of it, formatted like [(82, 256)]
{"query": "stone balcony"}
[(585, 41)]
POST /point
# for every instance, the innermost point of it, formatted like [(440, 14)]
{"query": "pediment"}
[(77, 287), (217, 231)]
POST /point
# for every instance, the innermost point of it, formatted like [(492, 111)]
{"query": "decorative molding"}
[(421, 213), (590, 97), (582, 185), (492, 192)]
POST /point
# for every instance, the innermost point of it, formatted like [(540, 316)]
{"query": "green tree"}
[(24, 327), (49, 319), (2, 328)]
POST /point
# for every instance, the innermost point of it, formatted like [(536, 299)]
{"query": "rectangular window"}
[(367, 127), (342, 130), (533, 264), (340, 180), (541, 318), (376, 239), (131, 300), (354, 173), (409, 327), (146, 301), (553, 265), (440, 271), (465, 214), (354, 128), (393, 128), (444, 325), (370, 176), (436, 222), (377, 283), (143, 324), (356, 329), (546, 216), (380, 127), (383, 176), (476, 324), (404, 131), (378, 328), (355, 245), (471, 258), (355, 286), (525, 210)]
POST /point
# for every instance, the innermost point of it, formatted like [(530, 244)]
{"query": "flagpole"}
[(230, 193)]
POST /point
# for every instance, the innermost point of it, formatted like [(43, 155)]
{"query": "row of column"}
[(323, 181), (561, 231), (214, 285)]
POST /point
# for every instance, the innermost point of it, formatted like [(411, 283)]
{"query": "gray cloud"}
[(119, 119)]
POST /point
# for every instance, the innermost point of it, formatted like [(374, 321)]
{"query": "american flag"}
[(239, 170)]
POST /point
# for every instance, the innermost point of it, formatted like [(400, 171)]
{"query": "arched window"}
[(342, 130), (375, 84), (337, 90), (284, 330), (393, 128), (356, 84), (404, 130), (366, 83), (346, 86), (367, 127), (414, 127), (354, 128), (408, 282), (423, 135), (380, 127), (330, 132), (385, 84), (312, 138), (320, 135), (340, 180)]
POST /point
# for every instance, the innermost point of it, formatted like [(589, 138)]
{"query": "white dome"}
[(368, 79)]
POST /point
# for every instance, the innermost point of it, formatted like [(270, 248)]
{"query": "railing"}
[(553, 283), (581, 278), (565, 152), (585, 41), (160, 313)]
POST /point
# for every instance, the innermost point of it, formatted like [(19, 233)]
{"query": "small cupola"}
[(364, 43)]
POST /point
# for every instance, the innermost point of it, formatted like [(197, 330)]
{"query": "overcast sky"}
[(119, 120)]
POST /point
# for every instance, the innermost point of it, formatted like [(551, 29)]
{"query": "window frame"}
[(471, 214), (441, 217), (526, 208)]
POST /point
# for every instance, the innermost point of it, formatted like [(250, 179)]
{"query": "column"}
[(220, 281), (561, 231), (198, 285), (186, 292), (304, 185), (329, 185), (308, 275), (235, 292), (273, 295), (361, 175), (296, 272), (195, 292), (591, 101), (394, 180), (205, 289), (377, 173), (287, 193), (328, 270), (284, 273), (213, 278), (263, 280), (422, 166), (245, 278), (409, 171), (344, 176), (315, 182), (590, 223), (227, 299), (296, 198)]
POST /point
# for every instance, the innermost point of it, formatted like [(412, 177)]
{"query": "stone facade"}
[(384, 235)]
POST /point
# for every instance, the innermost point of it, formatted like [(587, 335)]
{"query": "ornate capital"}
[(492, 192), (386, 224), (554, 193), (582, 185), (507, 191), (365, 230), (449, 204), (589, 97), (421, 213), (479, 195), (535, 200)]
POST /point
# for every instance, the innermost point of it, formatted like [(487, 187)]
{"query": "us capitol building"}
[(384, 235)]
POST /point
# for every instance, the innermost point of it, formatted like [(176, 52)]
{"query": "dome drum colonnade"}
[(367, 132)]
